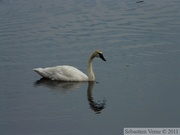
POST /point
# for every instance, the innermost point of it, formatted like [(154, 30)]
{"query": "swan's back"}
[(62, 73)]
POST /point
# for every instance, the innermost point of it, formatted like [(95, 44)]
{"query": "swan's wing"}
[(63, 73)]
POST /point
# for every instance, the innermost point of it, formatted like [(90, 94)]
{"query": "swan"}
[(69, 73)]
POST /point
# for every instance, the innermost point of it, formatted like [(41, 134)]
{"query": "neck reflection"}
[(97, 107)]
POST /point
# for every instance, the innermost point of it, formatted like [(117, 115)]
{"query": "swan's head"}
[(99, 54)]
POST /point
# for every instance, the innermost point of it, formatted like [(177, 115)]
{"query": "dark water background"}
[(138, 86)]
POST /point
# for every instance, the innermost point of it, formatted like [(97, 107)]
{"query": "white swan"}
[(69, 73)]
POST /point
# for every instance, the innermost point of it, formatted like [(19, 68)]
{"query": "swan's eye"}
[(99, 53)]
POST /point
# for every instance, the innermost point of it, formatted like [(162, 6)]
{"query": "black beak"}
[(101, 56)]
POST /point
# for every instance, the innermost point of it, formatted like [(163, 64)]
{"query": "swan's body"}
[(69, 73), (62, 73)]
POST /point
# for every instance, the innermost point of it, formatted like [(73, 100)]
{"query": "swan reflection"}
[(57, 84), (97, 107)]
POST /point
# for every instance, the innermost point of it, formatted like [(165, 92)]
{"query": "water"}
[(138, 86)]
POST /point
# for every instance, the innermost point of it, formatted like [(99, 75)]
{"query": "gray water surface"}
[(138, 86)]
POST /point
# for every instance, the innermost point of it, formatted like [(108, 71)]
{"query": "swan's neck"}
[(90, 69)]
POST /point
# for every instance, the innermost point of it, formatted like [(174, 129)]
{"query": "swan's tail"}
[(39, 71)]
